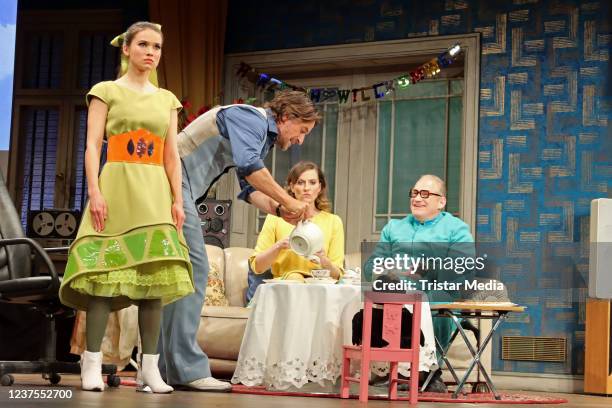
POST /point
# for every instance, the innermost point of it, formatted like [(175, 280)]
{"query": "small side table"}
[(495, 311)]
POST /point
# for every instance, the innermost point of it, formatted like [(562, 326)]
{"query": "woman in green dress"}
[(130, 248)]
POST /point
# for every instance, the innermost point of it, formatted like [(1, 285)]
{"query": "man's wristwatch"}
[(278, 212)]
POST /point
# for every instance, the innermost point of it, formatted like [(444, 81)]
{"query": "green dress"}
[(139, 253)]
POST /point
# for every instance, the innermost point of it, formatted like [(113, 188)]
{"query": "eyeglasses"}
[(423, 193)]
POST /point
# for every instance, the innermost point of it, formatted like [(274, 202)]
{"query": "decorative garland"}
[(427, 70)]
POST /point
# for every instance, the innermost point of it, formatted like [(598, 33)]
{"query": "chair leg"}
[(414, 383), (364, 379), (346, 371), (393, 380)]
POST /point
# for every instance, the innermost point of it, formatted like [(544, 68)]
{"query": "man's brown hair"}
[(294, 104)]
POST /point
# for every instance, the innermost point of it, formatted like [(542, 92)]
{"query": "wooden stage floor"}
[(127, 397)]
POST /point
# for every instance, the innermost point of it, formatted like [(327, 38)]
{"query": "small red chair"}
[(392, 319)]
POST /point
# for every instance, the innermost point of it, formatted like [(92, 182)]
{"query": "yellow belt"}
[(137, 146)]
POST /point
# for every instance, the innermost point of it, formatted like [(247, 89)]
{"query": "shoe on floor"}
[(378, 381), (148, 378), (436, 384), (206, 384), (91, 371)]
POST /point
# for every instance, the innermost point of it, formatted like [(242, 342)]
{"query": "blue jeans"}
[(254, 281), (181, 358)]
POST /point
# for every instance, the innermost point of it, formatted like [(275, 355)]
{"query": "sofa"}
[(222, 327)]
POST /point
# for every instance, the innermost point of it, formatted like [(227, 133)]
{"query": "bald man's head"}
[(441, 186), (434, 189)]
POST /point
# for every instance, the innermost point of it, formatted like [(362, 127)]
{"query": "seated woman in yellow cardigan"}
[(306, 183)]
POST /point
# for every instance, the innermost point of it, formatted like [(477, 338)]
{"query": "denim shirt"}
[(245, 139)]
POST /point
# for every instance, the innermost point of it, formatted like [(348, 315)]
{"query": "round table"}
[(296, 331)]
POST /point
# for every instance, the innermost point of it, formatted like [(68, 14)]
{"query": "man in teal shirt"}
[(425, 235), (429, 232)]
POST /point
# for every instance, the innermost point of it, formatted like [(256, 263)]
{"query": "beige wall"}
[(4, 162)]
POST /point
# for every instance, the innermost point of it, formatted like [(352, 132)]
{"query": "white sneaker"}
[(208, 384)]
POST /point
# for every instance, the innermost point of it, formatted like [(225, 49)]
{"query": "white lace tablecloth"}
[(296, 331)]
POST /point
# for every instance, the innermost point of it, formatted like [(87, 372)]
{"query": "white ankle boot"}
[(148, 378), (91, 371)]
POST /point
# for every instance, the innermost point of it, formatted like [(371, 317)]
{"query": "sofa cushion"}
[(221, 331), (215, 289), (236, 271), (230, 312), (216, 256)]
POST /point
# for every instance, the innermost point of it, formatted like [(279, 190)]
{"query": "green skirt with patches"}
[(146, 263)]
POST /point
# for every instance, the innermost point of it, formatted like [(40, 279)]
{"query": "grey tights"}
[(149, 317)]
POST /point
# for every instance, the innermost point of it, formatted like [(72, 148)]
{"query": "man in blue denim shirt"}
[(239, 136)]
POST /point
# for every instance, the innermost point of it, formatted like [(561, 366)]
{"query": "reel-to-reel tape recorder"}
[(53, 227)]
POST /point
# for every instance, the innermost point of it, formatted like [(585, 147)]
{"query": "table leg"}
[(476, 355), (447, 361), (443, 353), (483, 346)]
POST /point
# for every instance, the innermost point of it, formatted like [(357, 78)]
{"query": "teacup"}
[(320, 273), (306, 240)]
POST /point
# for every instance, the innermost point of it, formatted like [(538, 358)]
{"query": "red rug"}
[(423, 397)]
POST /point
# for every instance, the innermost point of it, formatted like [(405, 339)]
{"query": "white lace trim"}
[(284, 374), (296, 372)]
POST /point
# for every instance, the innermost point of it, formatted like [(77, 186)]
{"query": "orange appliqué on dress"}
[(137, 146)]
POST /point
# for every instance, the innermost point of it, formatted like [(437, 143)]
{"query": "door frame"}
[(300, 59)]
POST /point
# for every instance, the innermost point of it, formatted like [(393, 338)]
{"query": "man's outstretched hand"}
[(293, 217), (296, 206)]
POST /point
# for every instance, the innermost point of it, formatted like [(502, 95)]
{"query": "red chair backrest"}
[(392, 317)]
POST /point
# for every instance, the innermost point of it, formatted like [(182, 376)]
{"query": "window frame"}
[(447, 100), (68, 97)]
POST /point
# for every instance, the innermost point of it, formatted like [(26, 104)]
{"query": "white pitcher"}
[(306, 240)]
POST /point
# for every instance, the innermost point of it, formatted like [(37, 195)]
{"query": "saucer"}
[(326, 281), (320, 273), (282, 281), (355, 282)]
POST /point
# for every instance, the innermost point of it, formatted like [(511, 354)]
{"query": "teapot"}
[(306, 240)]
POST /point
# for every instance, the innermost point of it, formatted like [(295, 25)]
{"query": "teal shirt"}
[(444, 236), (444, 228)]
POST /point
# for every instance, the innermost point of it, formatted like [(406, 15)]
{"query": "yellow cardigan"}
[(276, 229)]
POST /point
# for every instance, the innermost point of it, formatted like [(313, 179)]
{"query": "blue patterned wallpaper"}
[(545, 143)]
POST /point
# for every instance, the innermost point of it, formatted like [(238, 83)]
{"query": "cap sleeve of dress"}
[(100, 91), (174, 102)]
